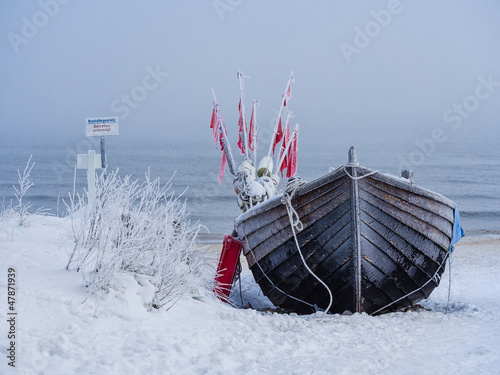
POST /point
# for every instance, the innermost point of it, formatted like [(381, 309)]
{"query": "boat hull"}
[(378, 242)]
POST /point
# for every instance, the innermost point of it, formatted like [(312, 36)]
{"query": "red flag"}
[(222, 132), (278, 135), (240, 139), (252, 131), (214, 118), (288, 94), (293, 154), (222, 167), (241, 129), (214, 125), (286, 138), (224, 158)]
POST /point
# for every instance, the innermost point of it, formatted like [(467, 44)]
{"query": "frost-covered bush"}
[(22, 208), (139, 228)]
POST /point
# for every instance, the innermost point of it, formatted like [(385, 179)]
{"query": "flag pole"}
[(289, 114), (254, 132), (292, 136), (226, 148), (245, 131), (290, 80)]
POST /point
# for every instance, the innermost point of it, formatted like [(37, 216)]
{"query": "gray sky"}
[(366, 66)]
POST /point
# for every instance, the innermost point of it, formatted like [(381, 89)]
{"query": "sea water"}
[(464, 169)]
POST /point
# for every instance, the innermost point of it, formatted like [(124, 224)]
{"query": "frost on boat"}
[(352, 240)]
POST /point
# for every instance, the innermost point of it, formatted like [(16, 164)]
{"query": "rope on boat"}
[(273, 284), (288, 194), (434, 278), (359, 177), (296, 224), (237, 278), (450, 261), (355, 164)]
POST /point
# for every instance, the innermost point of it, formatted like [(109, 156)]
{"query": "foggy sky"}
[(421, 68)]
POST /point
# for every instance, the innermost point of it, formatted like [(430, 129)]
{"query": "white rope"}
[(434, 278), (450, 261), (288, 194), (273, 284), (359, 177), (296, 224)]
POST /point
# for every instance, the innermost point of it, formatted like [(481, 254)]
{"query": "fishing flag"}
[(222, 167), (286, 138), (241, 129), (214, 118), (293, 154), (288, 94), (252, 133), (214, 124), (240, 139), (224, 158), (278, 135)]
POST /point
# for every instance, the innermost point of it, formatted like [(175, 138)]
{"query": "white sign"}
[(82, 161), (101, 126)]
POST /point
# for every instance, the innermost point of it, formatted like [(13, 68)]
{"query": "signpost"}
[(102, 126), (96, 127), (91, 162)]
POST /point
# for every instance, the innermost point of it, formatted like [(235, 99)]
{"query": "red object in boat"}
[(226, 270)]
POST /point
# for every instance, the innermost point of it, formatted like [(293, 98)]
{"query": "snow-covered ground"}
[(61, 330)]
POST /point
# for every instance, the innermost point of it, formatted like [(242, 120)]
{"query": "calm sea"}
[(465, 169)]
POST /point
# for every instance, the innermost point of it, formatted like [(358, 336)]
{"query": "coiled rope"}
[(296, 225), (288, 194)]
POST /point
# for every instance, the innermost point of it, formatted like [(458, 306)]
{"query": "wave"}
[(480, 214), (478, 196)]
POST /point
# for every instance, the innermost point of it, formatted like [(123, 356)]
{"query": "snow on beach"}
[(60, 329)]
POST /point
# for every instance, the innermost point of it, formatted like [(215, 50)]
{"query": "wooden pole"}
[(225, 143), (289, 114), (292, 136), (245, 131), (91, 176), (290, 80), (254, 140), (103, 156)]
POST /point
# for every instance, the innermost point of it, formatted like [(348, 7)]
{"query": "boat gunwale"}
[(327, 178)]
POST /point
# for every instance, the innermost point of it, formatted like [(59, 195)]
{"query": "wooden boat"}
[(378, 242)]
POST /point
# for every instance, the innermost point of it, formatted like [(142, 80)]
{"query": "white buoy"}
[(265, 166)]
